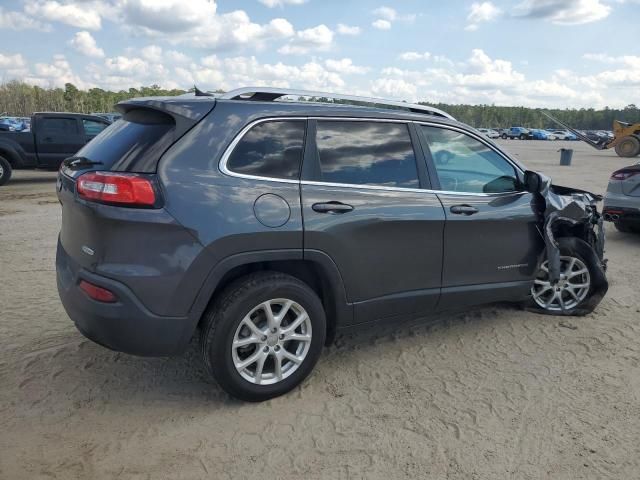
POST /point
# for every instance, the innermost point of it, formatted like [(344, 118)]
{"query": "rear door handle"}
[(463, 209), (331, 207)]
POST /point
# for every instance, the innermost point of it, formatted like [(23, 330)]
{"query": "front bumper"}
[(126, 325)]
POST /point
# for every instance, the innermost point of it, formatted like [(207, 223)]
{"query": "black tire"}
[(627, 227), (504, 136), (523, 136), (5, 171), (575, 247), (629, 146), (228, 310)]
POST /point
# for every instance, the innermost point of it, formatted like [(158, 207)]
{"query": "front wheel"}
[(5, 171), (581, 285), (263, 335), (504, 136), (523, 136)]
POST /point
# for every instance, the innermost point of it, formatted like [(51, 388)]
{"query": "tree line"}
[(20, 99)]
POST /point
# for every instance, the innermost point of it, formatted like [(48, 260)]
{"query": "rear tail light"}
[(624, 174), (119, 188), (97, 293)]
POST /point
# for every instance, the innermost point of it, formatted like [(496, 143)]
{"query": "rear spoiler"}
[(184, 112), (584, 138)]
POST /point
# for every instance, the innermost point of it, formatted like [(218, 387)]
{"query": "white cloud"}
[(19, 21), (386, 13), (481, 12), (344, 65), (348, 30), (564, 12), (394, 88), (12, 61), (84, 43), (281, 3), (316, 38), (54, 74), (381, 24), (77, 14), (412, 56), (152, 53)]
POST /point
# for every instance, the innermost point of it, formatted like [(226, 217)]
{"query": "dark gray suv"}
[(269, 225)]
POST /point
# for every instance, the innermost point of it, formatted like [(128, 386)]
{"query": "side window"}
[(59, 126), (465, 164), (366, 153), (270, 149), (92, 127)]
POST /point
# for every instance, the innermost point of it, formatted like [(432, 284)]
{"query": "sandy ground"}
[(492, 393)]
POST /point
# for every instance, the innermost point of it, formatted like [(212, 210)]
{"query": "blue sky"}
[(558, 53)]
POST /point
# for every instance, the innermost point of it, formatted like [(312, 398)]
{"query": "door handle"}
[(331, 207), (463, 209)]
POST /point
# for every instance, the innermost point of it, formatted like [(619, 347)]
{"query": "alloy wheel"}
[(271, 341), (570, 290)]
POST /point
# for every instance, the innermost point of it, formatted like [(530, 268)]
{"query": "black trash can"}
[(565, 156)]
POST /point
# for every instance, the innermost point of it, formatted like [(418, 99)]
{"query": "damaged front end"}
[(570, 216)]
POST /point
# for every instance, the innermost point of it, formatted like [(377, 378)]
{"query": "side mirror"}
[(532, 181)]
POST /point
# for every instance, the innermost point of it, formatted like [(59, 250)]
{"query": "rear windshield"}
[(132, 144)]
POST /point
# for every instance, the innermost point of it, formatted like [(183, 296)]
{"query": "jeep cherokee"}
[(269, 225)]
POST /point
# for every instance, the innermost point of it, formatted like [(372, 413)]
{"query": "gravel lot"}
[(491, 393)]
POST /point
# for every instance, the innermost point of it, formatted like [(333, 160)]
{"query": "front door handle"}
[(463, 209), (331, 207)]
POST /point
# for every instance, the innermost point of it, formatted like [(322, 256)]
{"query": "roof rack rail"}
[(268, 94)]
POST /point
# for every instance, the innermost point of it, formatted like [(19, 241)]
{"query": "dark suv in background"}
[(270, 225)]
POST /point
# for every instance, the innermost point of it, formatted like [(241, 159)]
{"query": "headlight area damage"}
[(572, 225)]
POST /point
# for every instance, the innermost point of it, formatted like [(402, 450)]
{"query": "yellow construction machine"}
[(626, 137)]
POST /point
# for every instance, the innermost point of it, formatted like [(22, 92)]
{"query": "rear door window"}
[(270, 149), (59, 126), (134, 143), (366, 153)]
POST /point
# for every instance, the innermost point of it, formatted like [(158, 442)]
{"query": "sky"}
[(539, 53)]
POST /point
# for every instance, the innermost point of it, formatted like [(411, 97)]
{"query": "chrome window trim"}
[(222, 165)]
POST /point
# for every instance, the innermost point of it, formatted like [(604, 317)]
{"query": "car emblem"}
[(87, 250)]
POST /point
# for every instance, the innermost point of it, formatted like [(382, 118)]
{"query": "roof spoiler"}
[(184, 112)]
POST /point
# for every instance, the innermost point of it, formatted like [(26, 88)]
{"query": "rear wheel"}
[(263, 335), (504, 136), (628, 147), (5, 171), (523, 136)]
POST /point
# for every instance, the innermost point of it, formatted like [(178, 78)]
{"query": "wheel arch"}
[(316, 269), (11, 155)]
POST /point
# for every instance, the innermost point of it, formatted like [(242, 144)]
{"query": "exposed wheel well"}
[(307, 271)]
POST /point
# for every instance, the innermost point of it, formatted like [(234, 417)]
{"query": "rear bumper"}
[(126, 325), (626, 207)]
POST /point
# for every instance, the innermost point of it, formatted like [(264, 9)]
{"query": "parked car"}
[(538, 134), (595, 136), (54, 137), (564, 135), (272, 225), (111, 117), (489, 133), (517, 132), (622, 200)]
